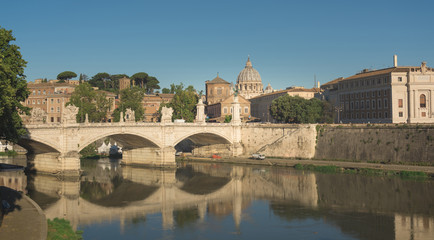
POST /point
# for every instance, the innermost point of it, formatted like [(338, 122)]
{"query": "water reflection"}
[(245, 201)]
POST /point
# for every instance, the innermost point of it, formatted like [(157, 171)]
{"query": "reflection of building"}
[(249, 83), (390, 95), (261, 104), (152, 102), (413, 227)]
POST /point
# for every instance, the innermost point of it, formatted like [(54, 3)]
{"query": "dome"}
[(249, 74)]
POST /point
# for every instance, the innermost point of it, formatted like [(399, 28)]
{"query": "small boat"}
[(216, 156), (258, 156)]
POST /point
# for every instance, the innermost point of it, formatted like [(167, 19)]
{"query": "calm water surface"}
[(218, 201)]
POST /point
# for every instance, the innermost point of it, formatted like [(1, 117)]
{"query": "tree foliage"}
[(94, 103), (66, 75), (143, 80), (107, 82), (183, 103), (13, 88), (289, 109), (130, 98)]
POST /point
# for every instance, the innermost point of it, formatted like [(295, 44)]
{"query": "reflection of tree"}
[(186, 217)]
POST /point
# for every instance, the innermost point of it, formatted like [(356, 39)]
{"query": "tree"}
[(90, 102), (83, 78), (130, 98), (13, 88), (165, 90), (99, 80), (289, 109), (183, 103), (143, 80), (66, 75)]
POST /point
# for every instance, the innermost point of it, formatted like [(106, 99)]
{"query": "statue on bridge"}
[(130, 115), (38, 116), (70, 114), (166, 114)]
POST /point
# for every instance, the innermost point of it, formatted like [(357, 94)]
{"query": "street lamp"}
[(339, 109)]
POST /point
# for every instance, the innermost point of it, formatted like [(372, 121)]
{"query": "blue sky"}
[(289, 42)]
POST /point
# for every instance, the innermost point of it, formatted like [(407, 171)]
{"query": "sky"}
[(290, 43)]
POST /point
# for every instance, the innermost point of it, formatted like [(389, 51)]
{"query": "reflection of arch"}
[(36, 145), (422, 101), (129, 140), (204, 138)]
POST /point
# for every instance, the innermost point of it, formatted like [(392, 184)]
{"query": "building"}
[(151, 104), (217, 90), (218, 111), (390, 95), (260, 105), (124, 83), (249, 82)]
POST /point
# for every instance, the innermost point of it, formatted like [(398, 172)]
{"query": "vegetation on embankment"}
[(9, 153), (363, 171), (61, 229)]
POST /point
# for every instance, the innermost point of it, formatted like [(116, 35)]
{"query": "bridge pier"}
[(53, 162), (152, 157)]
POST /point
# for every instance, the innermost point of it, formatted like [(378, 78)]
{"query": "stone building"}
[(260, 105), (217, 90), (218, 111), (249, 83), (390, 95), (152, 102), (124, 83)]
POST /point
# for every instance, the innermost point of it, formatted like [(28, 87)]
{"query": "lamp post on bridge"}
[(338, 109)]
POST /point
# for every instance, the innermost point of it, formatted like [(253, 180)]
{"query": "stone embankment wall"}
[(377, 143), (279, 140)]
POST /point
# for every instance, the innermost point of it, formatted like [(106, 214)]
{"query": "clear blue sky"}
[(190, 41)]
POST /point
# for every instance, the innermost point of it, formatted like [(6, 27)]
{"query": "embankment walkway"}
[(24, 220), (293, 162)]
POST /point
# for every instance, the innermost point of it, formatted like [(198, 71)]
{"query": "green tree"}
[(228, 118), (165, 90), (100, 80), (143, 80), (183, 103), (94, 103), (131, 98), (289, 109), (66, 75), (13, 88)]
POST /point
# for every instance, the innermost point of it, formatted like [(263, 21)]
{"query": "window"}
[(39, 101), (58, 119), (52, 109), (400, 114), (385, 114), (423, 114), (379, 104), (34, 92), (367, 104), (58, 100), (422, 101), (219, 91), (58, 109), (357, 115), (225, 110), (374, 115), (52, 100), (373, 104), (44, 92), (52, 119), (362, 104), (400, 103), (352, 106), (399, 79), (373, 94), (379, 93), (33, 101), (379, 115), (39, 92), (385, 103), (43, 101), (368, 115), (246, 110), (28, 101), (357, 105), (232, 110), (385, 92)]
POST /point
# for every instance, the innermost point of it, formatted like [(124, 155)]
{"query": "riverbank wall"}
[(382, 143)]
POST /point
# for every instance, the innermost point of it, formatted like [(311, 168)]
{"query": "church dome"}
[(249, 74)]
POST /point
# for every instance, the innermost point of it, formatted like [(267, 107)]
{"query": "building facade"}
[(249, 82), (124, 83), (218, 111), (151, 104), (217, 90), (260, 105), (390, 95)]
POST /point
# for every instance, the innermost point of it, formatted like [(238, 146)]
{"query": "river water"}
[(220, 201)]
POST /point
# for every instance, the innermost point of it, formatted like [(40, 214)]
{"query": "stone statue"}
[(69, 114), (38, 116), (166, 114), (130, 115)]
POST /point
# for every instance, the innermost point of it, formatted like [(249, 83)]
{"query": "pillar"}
[(200, 113), (152, 157), (53, 162), (236, 120)]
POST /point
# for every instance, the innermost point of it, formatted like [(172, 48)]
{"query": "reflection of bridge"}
[(171, 195)]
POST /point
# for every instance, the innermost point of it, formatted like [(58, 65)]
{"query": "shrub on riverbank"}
[(9, 153), (61, 229)]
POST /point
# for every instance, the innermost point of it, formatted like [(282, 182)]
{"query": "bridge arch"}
[(204, 138), (128, 139), (36, 145)]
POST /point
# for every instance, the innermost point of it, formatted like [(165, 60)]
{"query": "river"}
[(222, 201)]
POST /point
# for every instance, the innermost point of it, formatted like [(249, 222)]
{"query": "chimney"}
[(395, 60)]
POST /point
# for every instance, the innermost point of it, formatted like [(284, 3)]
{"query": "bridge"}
[(55, 147)]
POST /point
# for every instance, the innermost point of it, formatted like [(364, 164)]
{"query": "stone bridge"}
[(55, 148)]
